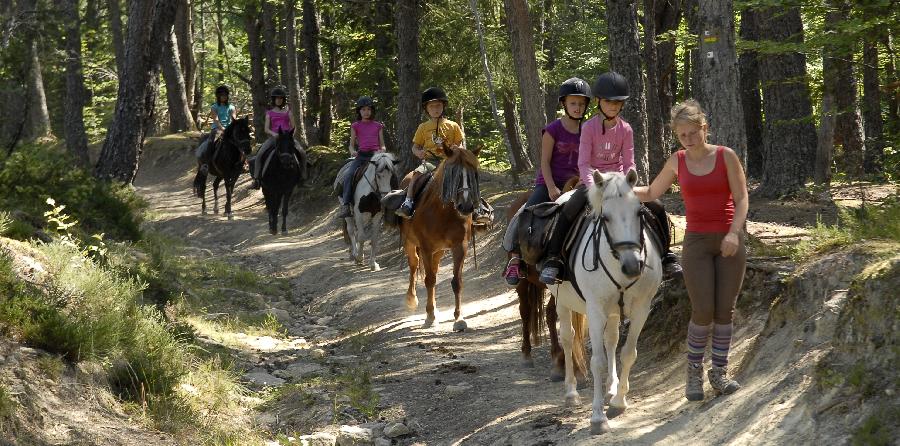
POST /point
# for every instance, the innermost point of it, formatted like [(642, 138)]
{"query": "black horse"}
[(226, 161), (286, 168)]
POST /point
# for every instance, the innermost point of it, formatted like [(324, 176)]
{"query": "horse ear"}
[(598, 177), (631, 177), (448, 151), (476, 151)]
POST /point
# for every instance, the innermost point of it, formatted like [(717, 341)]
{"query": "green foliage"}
[(51, 366), (356, 384), (7, 404), (879, 429), (865, 223), (32, 174)]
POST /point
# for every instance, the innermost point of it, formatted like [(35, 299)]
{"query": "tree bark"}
[(313, 56), (220, 43), (271, 44), (406, 27), (115, 28), (296, 95), (551, 91), (180, 118), (76, 140), (385, 55), (657, 148), (37, 118), (893, 100), (521, 40), (149, 22), (514, 133), (719, 80), (874, 124), (668, 16), (840, 81), (325, 112), (789, 136), (253, 26), (185, 38), (625, 58), (748, 65), (825, 146)]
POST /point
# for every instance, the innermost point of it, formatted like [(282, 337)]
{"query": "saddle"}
[(536, 224), (342, 173)]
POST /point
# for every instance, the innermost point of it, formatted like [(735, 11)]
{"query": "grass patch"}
[(8, 405), (356, 384), (878, 429), (873, 222), (51, 366)]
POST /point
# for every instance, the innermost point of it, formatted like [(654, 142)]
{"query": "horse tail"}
[(579, 355), (199, 183), (532, 298)]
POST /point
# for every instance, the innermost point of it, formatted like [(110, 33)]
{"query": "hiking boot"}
[(254, 184), (671, 267), (405, 210), (550, 272), (344, 212), (204, 168), (720, 382), (513, 273), (693, 391)]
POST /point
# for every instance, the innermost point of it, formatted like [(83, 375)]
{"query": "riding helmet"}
[(611, 86), (574, 87), (278, 92), (434, 94), (223, 90), (364, 101)]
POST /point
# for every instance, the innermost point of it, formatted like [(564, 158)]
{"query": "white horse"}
[(618, 270), (362, 225)]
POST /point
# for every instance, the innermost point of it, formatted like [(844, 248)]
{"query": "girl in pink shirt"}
[(368, 136), (607, 145)]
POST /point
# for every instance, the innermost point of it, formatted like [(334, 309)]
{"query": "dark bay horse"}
[(533, 313), (285, 170), (443, 220), (226, 161)]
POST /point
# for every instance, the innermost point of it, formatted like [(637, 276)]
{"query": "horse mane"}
[(614, 185), (459, 162)]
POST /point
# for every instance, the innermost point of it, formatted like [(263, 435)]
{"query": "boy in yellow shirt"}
[(428, 140)]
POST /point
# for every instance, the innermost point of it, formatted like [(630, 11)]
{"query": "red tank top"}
[(707, 198)]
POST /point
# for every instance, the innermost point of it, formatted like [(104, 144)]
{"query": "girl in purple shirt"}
[(559, 162), (368, 135)]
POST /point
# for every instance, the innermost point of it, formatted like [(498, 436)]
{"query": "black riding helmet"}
[(223, 90), (434, 94), (278, 92), (574, 87), (611, 86), (364, 101)]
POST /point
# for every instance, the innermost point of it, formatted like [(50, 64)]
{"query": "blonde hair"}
[(687, 111)]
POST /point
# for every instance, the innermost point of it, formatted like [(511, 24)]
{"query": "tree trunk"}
[(551, 91), (37, 118), (748, 65), (91, 14), (325, 112), (253, 26), (149, 22), (115, 28), (691, 73), (185, 38), (624, 58), (270, 43), (76, 140), (874, 125), (310, 37), (668, 16), (385, 54), (514, 134), (176, 94), (521, 41), (406, 26), (825, 146), (220, 40), (840, 81), (789, 135), (893, 100), (657, 148), (296, 96), (718, 80)]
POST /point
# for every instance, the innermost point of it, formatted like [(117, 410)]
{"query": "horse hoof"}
[(359, 261), (613, 411), (460, 325), (375, 267), (203, 212), (608, 397), (412, 303), (599, 427), (273, 231), (284, 232), (573, 401), (527, 363), (429, 322), (557, 375)]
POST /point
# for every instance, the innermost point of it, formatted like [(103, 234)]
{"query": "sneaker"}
[(720, 382), (550, 272), (405, 210), (513, 273), (254, 184), (693, 391), (344, 212)]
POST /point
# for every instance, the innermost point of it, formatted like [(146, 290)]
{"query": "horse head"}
[(285, 149), (459, 179), (385, 172), (616, 210), (238, 133)]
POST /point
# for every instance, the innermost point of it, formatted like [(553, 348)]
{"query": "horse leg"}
[(526, 303), (459, 256), (202, 194), (412, 257), (374, 229), (352, 234), (432, 261), (629, 354), (286, 201), (567, 335), (557, 357), (611, 341), (596, 320), (229, 191), (215, 188), (359, 242)]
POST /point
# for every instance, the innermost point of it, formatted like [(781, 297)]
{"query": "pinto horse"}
[(284, 169), (443, 220), (618, 271), (379, 178), (226, 161)]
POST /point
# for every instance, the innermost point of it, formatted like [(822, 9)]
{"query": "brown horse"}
[(533, 313), (442, 221)]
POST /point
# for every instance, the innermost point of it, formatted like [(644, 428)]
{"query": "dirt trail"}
[(468, 388)]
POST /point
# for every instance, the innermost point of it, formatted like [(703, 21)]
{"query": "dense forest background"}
[(802, 89)]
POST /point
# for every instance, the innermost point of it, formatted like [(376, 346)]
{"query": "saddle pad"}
[(536, 224)]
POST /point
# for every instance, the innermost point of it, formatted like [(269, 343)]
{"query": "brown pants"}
[(713, 282)]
